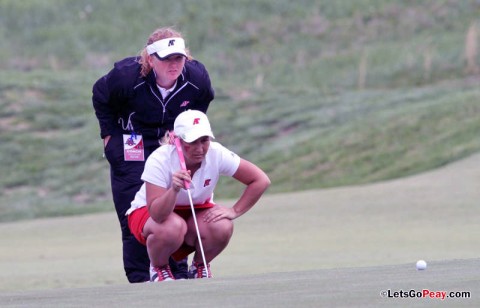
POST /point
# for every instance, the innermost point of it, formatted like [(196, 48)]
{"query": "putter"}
[(187, 186)]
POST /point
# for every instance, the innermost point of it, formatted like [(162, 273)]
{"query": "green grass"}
[(288, 90)]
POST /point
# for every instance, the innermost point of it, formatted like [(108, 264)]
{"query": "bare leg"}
[(215, 237), (164, 239)]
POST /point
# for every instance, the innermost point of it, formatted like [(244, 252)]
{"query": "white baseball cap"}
[(191, 125), (168, 47)]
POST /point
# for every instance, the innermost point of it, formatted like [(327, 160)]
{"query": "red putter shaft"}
[(178, 145), (182, 159)]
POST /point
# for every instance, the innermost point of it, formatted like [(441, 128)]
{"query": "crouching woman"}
[(160, 216)]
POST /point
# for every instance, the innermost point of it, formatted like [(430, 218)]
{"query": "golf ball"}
[(421, 265)]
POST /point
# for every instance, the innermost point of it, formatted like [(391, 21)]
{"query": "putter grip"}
[(182, 159)]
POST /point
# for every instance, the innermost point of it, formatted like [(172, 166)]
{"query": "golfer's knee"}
[(223, 230), (176, 228), (173, 228)]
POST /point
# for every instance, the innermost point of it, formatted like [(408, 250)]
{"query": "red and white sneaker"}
[(162, 273), (198, 270)]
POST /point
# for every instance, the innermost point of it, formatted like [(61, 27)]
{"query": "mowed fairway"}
[(341, 245)]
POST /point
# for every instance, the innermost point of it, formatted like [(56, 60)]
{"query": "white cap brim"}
[(167, 47), (191, 125), (193, 135)]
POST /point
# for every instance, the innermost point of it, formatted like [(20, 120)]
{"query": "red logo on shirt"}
[(185, 103), (207, 182)]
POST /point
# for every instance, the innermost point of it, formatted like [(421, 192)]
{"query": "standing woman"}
[(135, 104)]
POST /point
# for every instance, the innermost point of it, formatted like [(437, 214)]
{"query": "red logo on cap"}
[(196, 121), (207, 182)]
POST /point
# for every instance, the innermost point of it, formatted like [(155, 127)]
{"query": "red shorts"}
[(138, 218)]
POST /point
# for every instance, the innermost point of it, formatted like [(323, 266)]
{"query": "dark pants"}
[(126, 180)]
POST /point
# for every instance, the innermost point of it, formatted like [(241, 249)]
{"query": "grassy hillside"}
[(318, 93)]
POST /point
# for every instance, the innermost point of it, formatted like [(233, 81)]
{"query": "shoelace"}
[(165, 273), (202, 271)]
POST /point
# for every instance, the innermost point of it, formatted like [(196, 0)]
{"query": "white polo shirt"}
[(164, 161)]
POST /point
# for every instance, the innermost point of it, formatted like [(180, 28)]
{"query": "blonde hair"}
[(168, 138), (158, 34)]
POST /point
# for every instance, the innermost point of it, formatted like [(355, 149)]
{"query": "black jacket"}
[(125, 102)]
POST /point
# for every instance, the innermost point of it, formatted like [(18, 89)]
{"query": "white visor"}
[(167, 47)]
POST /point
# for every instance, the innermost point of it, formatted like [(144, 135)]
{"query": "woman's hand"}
[(106, 140), (179, 178), (218, 212)]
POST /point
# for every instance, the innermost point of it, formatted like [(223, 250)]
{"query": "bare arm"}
[(161, 201), (257, 183)]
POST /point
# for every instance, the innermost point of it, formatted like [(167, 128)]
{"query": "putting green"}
[(432, 216), (454, 283)]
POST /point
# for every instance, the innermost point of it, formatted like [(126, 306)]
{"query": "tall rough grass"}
[(471, 48), (318, 93)]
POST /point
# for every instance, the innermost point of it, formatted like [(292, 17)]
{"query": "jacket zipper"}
[(164, 105)]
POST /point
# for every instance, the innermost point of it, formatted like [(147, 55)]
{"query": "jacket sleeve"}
[(202, 78), (103, 109), (111, 93)]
